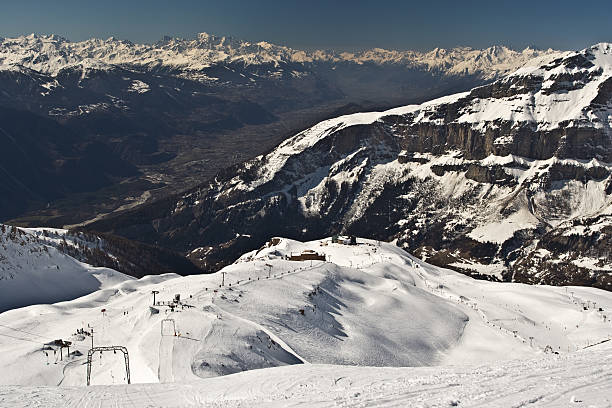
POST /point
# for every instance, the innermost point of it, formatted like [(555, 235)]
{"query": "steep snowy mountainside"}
[(369, 304), (489, 182), (33, 272), (89, 252), (50, 54), (560, 91)]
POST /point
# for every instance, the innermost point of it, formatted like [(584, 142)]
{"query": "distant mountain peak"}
[(49, 54)]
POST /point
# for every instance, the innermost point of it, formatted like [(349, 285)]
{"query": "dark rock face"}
[(558, 172), (491, 175), (525, 141), (574, 240), (43, 160), (482, 174)]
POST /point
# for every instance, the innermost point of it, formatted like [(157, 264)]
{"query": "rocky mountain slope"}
[(180, 110), (507, 181)]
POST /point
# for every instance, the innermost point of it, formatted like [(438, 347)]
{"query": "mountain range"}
[(509, 181), (172, 114), (51, 54), (248, 224)]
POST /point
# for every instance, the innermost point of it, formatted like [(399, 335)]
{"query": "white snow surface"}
[(311, 333), (573, 380), (50, 54), (33, 271)]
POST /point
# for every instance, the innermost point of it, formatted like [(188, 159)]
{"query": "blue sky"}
[(311, 24)]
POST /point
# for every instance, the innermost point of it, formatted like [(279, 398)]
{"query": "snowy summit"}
[(50, 54)]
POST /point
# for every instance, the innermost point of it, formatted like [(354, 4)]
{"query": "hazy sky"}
[(311, 24)]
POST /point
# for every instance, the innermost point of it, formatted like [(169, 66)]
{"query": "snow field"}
[(367, 305), (33, 271), (578, 379)]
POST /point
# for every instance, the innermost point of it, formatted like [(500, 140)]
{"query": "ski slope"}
[(579, 379), (318, 329)]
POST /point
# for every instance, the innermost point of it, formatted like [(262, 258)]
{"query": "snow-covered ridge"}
[(545, 109), (33, 269), (365, 305), (50, 54), (271, 163), (564, 89)]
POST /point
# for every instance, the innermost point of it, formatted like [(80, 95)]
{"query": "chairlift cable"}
[(20, 338), (20, 330)]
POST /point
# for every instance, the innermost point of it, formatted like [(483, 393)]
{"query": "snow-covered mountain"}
[(178, 111), (33, 270), (511, 180), (50, 54), (47, 265), (367, 305)]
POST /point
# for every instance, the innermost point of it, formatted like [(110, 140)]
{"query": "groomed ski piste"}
[(368, 326)]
